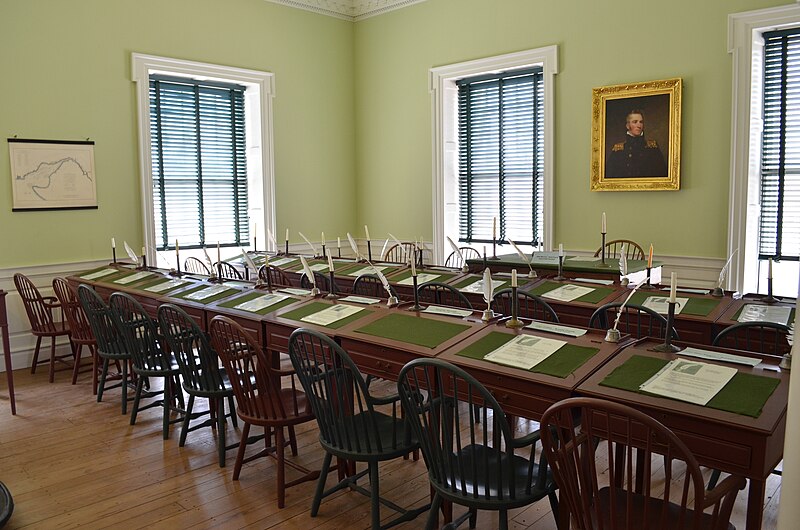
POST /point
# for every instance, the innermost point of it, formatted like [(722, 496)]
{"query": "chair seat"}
[(285, 401), (151, 368), (61, 329), (225, 391), (480, 460), (385, 441), (653, 515)]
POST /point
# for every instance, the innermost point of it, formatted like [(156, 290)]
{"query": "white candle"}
[(603, 226), (673, 287), (769, 270), (494, 228), (113, 243), (560, 250), (366, 231), (339, 242), (513, 277), (143, 253), (177, 252), (287, 234), (323, 238), (413, 267), (330, 263)]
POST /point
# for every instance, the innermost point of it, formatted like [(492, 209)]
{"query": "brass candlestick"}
[(668, 346)]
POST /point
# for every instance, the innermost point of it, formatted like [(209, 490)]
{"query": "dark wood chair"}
[(277, 277), (40, 315), (636, 320), (761, 337), (227, 271), (530, 306), (613, 248), (110, 343), (201, 373), (477, 464), (442, 294), (371, 285), (195, 266), (151, 359), (322, 281), (80, 330), (353, 424), (455, 261), (261, 400), (401, 253), (602, 454)]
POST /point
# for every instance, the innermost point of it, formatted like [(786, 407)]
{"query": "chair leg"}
[(712, 481), (433, 514), (95, 363), (77, 364), (503, 519), (280, 449), (237, 467), (375, 496), (221, 430), (52, 370), (292, 440), (323, 475), (185, 427), (178, 391), (136, 398), (167, 405), (125, 387), (36, 354), (232, 408), (102, 385)]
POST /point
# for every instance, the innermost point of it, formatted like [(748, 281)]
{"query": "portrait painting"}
[(636, 136)]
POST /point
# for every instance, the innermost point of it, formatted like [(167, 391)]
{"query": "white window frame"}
[(260, 89), (746, 46), (444, 95)]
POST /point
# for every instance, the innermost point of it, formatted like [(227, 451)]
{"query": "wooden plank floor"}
[(70, 461)]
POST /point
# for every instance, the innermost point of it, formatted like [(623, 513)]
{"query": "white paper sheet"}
[(422, 277), (99, 274), (584, 258), (296, 292), (525, 351), (282, 261), (687, 290), (567, 293), (166, 286), (660, 304), (366, 270), (133, 278), (360, 300), (690, 381), (331, 314), (477, 286), (449, 311), (545, 257), (719, 356), (557, 328), (765, 313), (598, 281), (207, 292), (261, 302)]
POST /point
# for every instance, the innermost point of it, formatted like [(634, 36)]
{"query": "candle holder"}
[(113, 254), (369, 250), (515, 322), (178, 273), (324, 255), (416, 306), (603, 250), (255, 247), (560, 275), (485, 264), (339, 249), (287, 248), (332, 294), (769, 299), (648, 286), (668, 346), (494, 250), (144, 262)]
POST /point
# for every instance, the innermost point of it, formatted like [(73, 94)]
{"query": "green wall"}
[(67, 75), (600, 43)]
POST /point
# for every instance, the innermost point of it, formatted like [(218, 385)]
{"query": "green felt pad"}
[(220, 296), (442, 276), (250, 296), (739, 312), (413, 330), (599, 293), (562, 363), (744, 394), (469, 281), (695, 306), (316, 307)]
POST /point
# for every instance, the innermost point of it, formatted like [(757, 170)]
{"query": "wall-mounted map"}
[(52, 174)]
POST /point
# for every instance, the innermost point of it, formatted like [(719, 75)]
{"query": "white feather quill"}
[(310, 244), (131, 253), (272, 239), (353, 245), (208, 261), (623, 261), (383, 250), (522, 255), (619, 311), (250, 264), (397, 242), (488, 287), (724, 272), (456, 250), (383, 280), (308, 272)]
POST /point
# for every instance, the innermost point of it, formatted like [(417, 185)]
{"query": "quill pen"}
[(353, 246), (131, 253), (724, 272), (250, 264), (272, 239), (308, 272), (397, 242), (522, 255), (619, 311), (383, 280), (310, 244), (623, 261), (208, 261), (488, 288), (456, 250), (383, 250)]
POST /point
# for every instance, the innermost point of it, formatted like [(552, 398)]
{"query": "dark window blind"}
[(501, 156), (779, 227), (197, 131)]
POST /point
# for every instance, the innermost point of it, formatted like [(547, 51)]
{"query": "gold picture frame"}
[(636, 136)]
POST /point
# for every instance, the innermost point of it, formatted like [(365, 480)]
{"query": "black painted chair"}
[(402, 253), (353, 424), (322, 281), (455, 261), (195, 266), (227, 271), (479, 465), (636, 320), (442, 294), (202, 375), (530, 306), (274, 275), (761, 337), (371, 285)]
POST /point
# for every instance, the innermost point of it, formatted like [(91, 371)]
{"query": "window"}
[(500, 156), (199, 164), (503, 166), (764, 211), (206, 158)]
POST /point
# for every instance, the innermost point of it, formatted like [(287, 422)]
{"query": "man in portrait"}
[(636, 156)]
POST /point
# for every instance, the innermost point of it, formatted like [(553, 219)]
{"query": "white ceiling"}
[(352, 10)]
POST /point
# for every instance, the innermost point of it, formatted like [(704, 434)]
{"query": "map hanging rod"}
[(40, 141)]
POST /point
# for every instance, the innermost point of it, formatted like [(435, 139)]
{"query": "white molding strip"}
[(352, 10)]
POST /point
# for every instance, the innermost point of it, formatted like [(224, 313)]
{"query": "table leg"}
[(9, 370), (755, 503)]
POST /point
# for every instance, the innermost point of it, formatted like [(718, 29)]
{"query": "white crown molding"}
[(352, 10)]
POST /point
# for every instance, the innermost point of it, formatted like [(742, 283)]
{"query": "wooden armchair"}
[(80, 330), (613, 248)]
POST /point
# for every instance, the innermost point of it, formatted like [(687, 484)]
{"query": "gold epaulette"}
[(618, 146), (652, 144)]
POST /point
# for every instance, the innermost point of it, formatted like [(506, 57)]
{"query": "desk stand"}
[(603, 250), (648, 286), (7, 351), (515, 322), (668, 346), (560, 269)]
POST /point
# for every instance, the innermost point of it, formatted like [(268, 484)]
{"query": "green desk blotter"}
[(599, 293), (143, 286), (442, 276), (739, 312), (701, 307), (316, 307), (219, 296), (506, 282), (562, 363), (231, 304), (744, 394), (413, 330), (112, 279)]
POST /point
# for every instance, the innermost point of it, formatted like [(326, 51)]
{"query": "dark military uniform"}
[(636, 157)]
